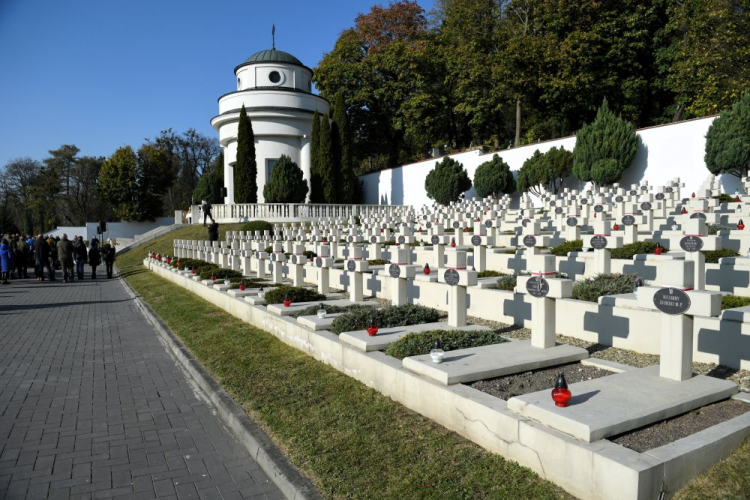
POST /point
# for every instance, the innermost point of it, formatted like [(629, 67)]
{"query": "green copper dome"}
[(273, 55)]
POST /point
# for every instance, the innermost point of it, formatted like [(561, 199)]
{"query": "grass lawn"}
[(349, 439)]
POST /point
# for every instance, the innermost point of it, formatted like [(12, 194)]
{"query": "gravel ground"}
[(626, 357), (527, 382), (668, 431)]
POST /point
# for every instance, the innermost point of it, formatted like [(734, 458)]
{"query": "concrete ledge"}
[(362, 341)]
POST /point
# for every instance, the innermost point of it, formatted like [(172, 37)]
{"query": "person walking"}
[(109, 258), (80, 253), (6, 261), (65, 254), (213, 231), (206, 207), (95, 257)]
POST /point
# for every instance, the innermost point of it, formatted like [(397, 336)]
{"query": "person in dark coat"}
[(65, 254), (6, 261), (109, 258), (80, 254), (21, 263), (95, 257), (41, 258), (213, 231), (206, 207)]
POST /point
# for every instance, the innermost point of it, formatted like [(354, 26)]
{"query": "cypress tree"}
[(246, 169), (347, 178), (327, 162), (316, 183)]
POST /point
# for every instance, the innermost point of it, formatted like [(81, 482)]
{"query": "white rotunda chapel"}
[(276, 89)]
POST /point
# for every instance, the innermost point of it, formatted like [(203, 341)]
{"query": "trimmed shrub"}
[(330, 309), (488, 274), (257, 225), (732, 301), (494, 178), (724, 198), (713, 229), (563, 249), (415, 344), (385, 318), (287, 184), (295, 293), (627, 251), (604, 284), (447, 181), (220, 273), (377, 262), (506, 282), (713, 256)]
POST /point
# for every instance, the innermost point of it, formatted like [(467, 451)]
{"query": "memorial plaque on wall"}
[(401, 240), (659, 196), (558, 210), (646, 205), (435, 239), (394, 270), (318, 262), (476, 240), (619, 199), (598, 242), (373, 239), (584, 201), (571, 221), (537, 287), (698, 215), (351, 266), (456, 224), (691, 243), (628, 220), (488, 223), (671, 301), (451, 277), (598, 208), (529, 240)]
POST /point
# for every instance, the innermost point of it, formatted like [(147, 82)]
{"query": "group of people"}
[(19, 252)]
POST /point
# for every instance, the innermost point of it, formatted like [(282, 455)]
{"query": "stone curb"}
[(274, 463)]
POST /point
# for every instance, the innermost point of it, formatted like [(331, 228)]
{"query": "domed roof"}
[(273, 55)]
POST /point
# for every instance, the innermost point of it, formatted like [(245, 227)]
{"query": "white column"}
[(229, 177), (304, 160)]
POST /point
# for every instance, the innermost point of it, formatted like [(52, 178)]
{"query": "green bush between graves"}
[(604, 284), (257, 225), (732, 301), (309, 254), (377, 262), (713, 229), (724, 198), (418, 343), (330, 309), (385, 318), (208, 271), (563, 249), (506, 282), (713, 256), (631, 249), (488, 274), (295, 293)]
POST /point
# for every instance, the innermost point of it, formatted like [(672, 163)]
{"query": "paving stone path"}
[(92, 405)]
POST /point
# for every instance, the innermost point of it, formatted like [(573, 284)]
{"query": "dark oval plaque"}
[(628, 220), (668, 190), (529, 240), (671, 301), (451, 277), (373, 239), (351, 266), (476, 240), (552, 203), (537, 286), (633, 192), (698, 215), (401, 240), (598, 208), (468, 215), (691, 243), (598, 242), (571, 221), (488, 223), (659, 196), (584, 201), (456, 225), (646, 205), (429, 225), (318, 261), (558, 210), (619, 199), (384, 226), (435, 240), (525, 222), (350, 239), (394, 270)]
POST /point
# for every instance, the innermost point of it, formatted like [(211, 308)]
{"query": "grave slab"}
[(243, 293), (334, 299), (622, 402), (386, 336), (479, 363), (316, 323)]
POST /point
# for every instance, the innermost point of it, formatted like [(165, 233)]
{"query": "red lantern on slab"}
[(683, 211), (372, 328), (658, 250), (560, 394), (616, 227), (427, 269), (287, 301), (453, 242), (740, 225)]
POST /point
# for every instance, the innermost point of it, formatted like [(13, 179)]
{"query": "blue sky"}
[(102, 74)]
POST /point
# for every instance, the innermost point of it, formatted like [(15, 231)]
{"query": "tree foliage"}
[(211, 184), (728, 141), (246, 168), (316, 181), (605, 148), (345, 160), (545, 172), (447, 181), (287, 184), (494, 178), (327, 164)]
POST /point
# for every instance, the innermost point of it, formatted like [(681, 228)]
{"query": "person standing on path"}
[(109, 258), (6, 261), (23, 252), (213, 231), (79, 249), (41, 258), (95, 257), (65, 253)]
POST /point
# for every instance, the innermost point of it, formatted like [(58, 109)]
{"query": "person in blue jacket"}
[(6, 261)]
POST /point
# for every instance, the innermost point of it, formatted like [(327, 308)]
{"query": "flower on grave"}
[(287, 301), (561, 394), (437, 353), (372, 328), (427, 269), (740, 225)]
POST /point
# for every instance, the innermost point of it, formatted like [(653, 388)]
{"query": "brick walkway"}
[(93, 406)]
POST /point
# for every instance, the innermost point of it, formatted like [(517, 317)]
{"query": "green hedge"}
[(385, 318), (418, 343), (563, 249), (489, 274), (377, 262), (258, 225), (297, 294), (713, 256), (604, 284), (724, 198), (732, 301), (506, 282), (631, 249), (330, 309), (212, 270)]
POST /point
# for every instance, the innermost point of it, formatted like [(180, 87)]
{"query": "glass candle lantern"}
[(321, 311), (437, 353), (561, 394)]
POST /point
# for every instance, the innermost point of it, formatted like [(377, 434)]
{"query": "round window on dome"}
[(274, 76)]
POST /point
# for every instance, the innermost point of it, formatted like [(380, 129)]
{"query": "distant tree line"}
[(498, 73)]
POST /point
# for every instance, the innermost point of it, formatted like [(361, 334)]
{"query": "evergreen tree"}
[(327, 162), (605, 148), (728, 141), (494, 178), (346, 158), (316, 183), (287, 184), (447, 181), (246, 169), (211, 183)]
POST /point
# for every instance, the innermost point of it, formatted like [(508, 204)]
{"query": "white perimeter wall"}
[(666, 152), (114, 229)]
